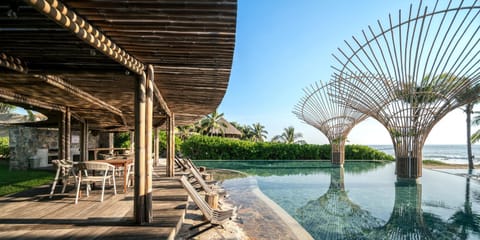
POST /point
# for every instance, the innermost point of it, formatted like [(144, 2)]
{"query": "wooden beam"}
[(161, 100), (68, 19), (17, 98), (13, 63), (148, 144), (139, 195), (82, 95)]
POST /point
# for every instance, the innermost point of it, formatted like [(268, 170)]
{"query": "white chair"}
[(65, 173), (130, 174), (85, 174)]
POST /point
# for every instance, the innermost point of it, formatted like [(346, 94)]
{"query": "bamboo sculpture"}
[(410, 73), (318, 109)]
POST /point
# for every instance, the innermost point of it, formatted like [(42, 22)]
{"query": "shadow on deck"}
[(33, 215)]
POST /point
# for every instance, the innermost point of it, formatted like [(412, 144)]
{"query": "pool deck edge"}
[(294, 226)]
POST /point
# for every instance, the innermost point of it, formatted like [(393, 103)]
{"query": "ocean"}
[(456, 154)]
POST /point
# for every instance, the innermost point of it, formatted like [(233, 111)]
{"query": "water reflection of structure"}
[(408, 221), (465, 221), (334, 215)]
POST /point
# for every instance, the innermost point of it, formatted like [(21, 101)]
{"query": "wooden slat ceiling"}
[(189, 43)]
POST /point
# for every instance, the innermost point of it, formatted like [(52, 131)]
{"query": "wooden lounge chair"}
[(107, 173), (180, 164), (209, 189), (214, 217)]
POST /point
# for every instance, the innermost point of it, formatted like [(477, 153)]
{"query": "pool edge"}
[(294, 226)]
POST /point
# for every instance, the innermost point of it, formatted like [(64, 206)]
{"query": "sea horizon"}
[(448, 153)]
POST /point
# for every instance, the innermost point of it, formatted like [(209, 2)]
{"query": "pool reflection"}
[(334, 215), (366, 202)]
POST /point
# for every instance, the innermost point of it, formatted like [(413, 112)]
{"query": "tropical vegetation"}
[(218, 148), (212, 124), (289, 136)]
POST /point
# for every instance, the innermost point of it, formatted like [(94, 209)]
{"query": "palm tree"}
[(289, 136), (185, 132), (471, 139), (258, 132), (212, 123)]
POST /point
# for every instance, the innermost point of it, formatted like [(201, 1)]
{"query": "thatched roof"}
[(47, 65), (228, 131)]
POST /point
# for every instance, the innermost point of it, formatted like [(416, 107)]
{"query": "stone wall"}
[(36, 147)]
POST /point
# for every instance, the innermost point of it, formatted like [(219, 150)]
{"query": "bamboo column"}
[(139, 197), (61, 137), (338, 152), (170, 145), (148, 144), (68, 133), (156, 147), (84, 142), (110, 143)]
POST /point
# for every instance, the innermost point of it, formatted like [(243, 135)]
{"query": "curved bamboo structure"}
[(319, 109), (410, 73)]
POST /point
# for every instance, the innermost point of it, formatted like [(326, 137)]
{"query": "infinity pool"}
[(364, 200)]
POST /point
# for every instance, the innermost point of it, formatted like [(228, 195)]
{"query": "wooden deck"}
[(33, 215)]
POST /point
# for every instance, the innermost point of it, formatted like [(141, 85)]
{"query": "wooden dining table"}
[(118, 162)]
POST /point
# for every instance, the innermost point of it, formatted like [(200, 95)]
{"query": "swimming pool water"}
[(365, 201)]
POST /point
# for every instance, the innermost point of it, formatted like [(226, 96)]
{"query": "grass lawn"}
[(17, 181)]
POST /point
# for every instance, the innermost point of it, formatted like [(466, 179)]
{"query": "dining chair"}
[(130, 174), (64, 173), (86, 174)]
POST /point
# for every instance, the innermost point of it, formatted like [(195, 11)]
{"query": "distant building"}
[(229, 131)]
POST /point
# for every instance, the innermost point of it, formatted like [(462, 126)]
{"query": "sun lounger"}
[(214, 217), (180, 164), (206, 186)]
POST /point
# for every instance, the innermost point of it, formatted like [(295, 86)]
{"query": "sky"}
[(283, 46)]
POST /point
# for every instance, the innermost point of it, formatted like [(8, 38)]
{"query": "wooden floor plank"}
[(33, 215)]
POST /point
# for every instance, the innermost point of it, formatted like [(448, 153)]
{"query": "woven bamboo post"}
[(61, 137), (409, 73), (110, 143), (68, 133), (170, 145), (148, 144), (139, 194), (84, 142)]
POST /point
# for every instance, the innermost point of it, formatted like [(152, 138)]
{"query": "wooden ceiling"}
[(189, 43)]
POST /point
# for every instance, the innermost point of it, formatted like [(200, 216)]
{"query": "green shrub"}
[(122, 140), (4, 147), (218, 148)]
